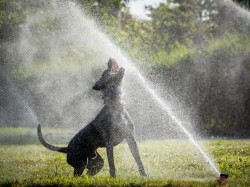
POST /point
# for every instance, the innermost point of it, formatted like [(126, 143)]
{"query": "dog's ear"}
[(110, 63)]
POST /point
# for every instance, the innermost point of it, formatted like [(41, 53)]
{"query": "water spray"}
[(115, 52), (222, 178), (21, 99), (170, 113), (109, 49)]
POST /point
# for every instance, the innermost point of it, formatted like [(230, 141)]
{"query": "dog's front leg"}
[(110, 155), (135, 152)]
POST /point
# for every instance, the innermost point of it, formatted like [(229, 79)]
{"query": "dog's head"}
[(110, 76), (113, 66)]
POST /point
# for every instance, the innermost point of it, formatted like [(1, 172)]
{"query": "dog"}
[(110, 127)]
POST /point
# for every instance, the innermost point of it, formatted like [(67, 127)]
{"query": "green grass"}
[(167, 162)]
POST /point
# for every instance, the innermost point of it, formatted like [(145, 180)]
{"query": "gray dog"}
[(108, 129)]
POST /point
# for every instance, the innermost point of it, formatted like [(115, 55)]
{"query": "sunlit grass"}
[(167, 162)]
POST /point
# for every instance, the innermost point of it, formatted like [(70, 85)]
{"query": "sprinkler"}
[(222, 179)]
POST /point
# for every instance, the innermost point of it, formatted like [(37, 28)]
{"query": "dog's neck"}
[(113, 102)]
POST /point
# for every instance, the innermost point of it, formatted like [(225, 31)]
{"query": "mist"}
[(60, 53)]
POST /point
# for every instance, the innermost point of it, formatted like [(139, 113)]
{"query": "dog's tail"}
[(47, 145)]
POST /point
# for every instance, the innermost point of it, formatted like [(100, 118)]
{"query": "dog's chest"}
[(118, 120), (113, 127), (112, 123), (119, 127)]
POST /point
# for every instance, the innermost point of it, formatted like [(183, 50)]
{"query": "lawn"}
[(167, 162)]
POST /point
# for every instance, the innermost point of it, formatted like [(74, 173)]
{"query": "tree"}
[(245, 3), (100, 7), (171, 23)]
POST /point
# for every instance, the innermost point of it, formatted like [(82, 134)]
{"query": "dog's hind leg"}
[(79, 167), (95, 165), (78, 170)]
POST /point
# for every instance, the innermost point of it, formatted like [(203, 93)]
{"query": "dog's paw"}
[(143, 173)]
